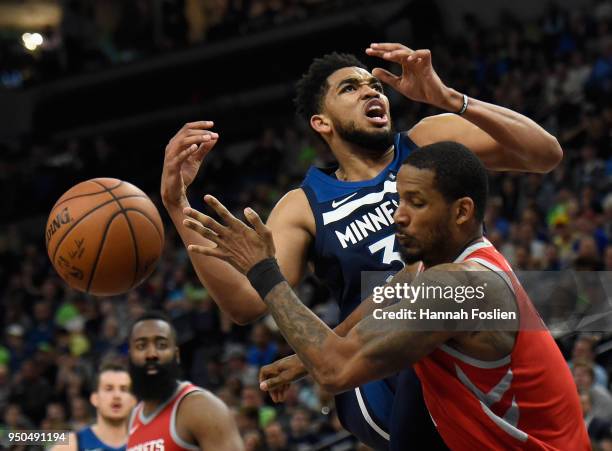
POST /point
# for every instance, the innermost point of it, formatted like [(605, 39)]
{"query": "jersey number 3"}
[(387, 245)]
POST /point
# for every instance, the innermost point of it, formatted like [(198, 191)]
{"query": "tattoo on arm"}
[(302, 329)]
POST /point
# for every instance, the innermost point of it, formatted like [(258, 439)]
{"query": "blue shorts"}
[(389, 414)]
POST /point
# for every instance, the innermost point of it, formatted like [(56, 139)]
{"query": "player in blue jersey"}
[(343, 217), (113, 402)]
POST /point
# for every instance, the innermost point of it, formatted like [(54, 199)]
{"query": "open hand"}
[(418, 81), (237, 243), (183, 157)]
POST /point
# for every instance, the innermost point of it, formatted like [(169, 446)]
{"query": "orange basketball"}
[(104, 236)]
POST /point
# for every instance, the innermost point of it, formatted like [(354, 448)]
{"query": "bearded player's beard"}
[(154, 387), (375, 143)]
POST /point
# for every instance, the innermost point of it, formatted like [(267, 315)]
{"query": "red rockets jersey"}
[(157, 431), (524, 401)]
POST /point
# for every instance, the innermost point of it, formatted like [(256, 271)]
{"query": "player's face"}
[(358, 108), (423, 218), (113, 398), (154, 364)]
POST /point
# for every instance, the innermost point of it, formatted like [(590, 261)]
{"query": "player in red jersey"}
[(172, 415), (500, 387)]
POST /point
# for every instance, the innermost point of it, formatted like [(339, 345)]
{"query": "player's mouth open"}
[(116, 406), (375, 112)]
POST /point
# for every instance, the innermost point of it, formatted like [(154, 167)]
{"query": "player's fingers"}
[(204, 231), (374, 52), (253, 218), (197, 132), (282, 395), (197, 139), (399, 55), (208, 251), (212, 224), (424, 54), (387, 46), (386, 77), (203, 150), (229, 219), (278, 394), (195, 214), (394, 57), (273, 383), (198, 124), (184, 154)]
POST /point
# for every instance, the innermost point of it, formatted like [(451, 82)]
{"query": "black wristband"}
[(264, 276)]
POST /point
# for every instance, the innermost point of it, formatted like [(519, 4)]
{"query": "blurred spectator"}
[(42, 330), (253, 441), (80, 414), (14, 419), (5, 386), (605, 444), (237, 366), (31, 392), (15, 344), (252, 397), (601, 399), (583, 351), (276, 437), (55, 418), (263, 351), (596, 427), (300, 430)]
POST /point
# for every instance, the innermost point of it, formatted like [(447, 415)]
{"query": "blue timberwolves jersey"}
[(87, 440), (355, 230)]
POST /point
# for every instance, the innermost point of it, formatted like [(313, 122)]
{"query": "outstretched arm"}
[(184, 156), (502, 138)]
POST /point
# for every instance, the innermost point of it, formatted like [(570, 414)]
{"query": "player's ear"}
[(178, 355), (94, 399), (320, 123), (464, 210)]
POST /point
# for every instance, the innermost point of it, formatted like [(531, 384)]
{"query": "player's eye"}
[(348, 88), (162, 345), (378, 87)]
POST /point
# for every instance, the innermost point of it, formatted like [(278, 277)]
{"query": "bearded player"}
[(342, 218), (172, 415), (113, 402)]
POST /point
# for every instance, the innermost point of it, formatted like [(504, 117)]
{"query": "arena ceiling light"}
[(31, 41)]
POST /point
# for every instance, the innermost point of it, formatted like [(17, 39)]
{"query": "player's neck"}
[(453, 251), (113, 433), (356, 164)]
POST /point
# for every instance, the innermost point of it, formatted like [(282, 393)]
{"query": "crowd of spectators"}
[(94, 34), (557, 70)]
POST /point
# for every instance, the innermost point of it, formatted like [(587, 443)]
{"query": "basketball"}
[(104, 236)]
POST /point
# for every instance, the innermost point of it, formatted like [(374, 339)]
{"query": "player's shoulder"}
[(294, 197), (293, 208), (197, 396), (198, 401)]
